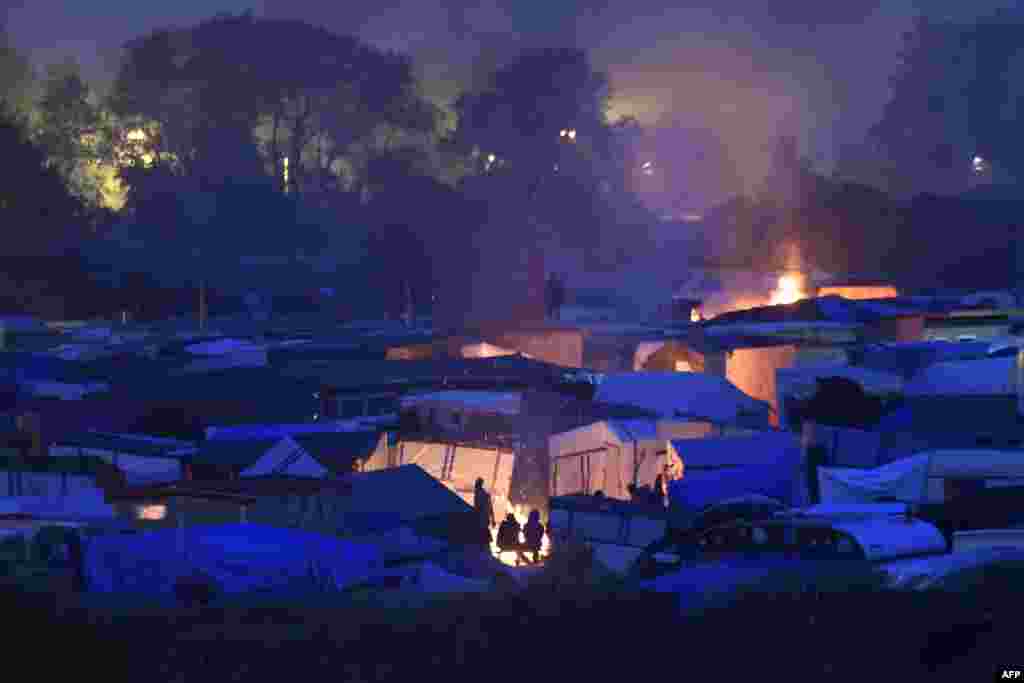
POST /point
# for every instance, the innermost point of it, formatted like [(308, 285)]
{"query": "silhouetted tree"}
[(539, 133), (955, 96), (308, 103), (842, 402), (16, 78), (38, 214)]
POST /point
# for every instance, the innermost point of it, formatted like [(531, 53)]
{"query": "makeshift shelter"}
[(988, 377), (719, 468), (375, 503), (52, 487), (459, 409), (691, 395), (143, 459), (226, 459), (237, 558), (459, 466), (923, 478), (321, 455), (610, 455)]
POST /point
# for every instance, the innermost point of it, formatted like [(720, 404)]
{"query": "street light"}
[(569, 133)]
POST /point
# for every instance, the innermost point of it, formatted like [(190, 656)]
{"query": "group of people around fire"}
[(509, 530)]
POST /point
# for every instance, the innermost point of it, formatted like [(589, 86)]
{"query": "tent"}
[(323, 454), (238, 558), (989, 376), (692, 395), (609, 455), (458, 467), (143, 459), (920, 478), (378, 503), (719, 468)]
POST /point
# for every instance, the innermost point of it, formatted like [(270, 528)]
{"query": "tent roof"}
[(873, 381), (906, 359), (233, 452), (507, 403), (385, 499), (354, 375), (338, 451), (989, 376), (633, 430), (680, 394), (128, 443), (766, 448)]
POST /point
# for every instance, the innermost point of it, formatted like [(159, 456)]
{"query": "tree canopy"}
[(305, 93), (37, 212), (538, 130), (951, 122)]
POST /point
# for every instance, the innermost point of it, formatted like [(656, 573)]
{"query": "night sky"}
[(750, 69)]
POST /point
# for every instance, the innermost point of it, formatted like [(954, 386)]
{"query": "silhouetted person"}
[(508, 537), (484, 507), (534, 533)]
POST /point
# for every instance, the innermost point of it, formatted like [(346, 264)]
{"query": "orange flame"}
[(790, 289)]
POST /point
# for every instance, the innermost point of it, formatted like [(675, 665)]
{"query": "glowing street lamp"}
[(568, 133)]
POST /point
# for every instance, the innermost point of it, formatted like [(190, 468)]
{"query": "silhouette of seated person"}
[(508, 537), (534, 533)]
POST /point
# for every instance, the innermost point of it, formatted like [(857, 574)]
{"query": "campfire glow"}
[(521, 514)]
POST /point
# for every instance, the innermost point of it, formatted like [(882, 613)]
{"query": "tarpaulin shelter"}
[(691, 395), (719, 468), (921, 478)]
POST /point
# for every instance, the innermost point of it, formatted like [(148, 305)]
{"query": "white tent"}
[(458, 467), (920, 478), (608, 456), (286, 458), (692, 395)]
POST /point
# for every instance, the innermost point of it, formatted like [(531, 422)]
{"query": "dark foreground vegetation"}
[(573, 633)]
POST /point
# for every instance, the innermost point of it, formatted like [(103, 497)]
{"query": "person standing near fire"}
[(484, 506)]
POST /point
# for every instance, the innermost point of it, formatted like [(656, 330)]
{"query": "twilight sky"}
[(749, 70)]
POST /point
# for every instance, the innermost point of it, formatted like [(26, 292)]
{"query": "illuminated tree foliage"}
[(308, 94)]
